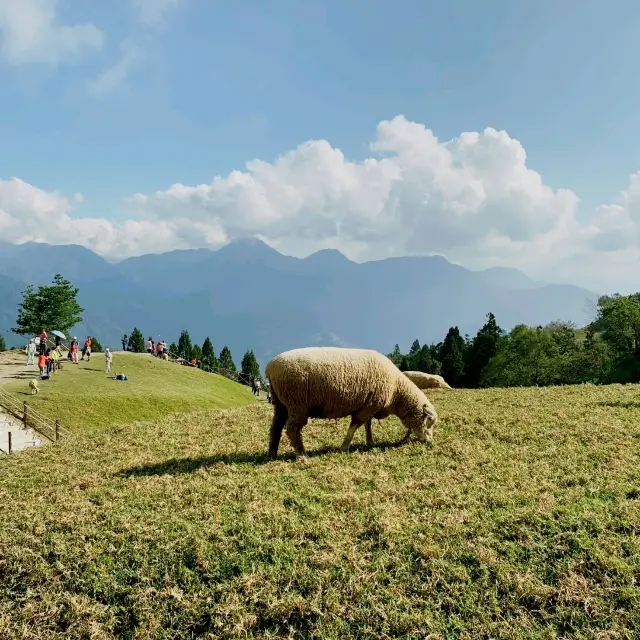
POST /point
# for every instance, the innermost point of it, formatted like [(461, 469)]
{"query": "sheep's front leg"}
[(369, 432), (357, 420), (294, 433)]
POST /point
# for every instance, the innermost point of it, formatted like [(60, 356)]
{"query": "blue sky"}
[(198, 90)]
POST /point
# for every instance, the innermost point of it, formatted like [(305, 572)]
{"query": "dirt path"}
[(13, 367)]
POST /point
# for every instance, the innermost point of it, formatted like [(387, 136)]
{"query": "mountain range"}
[(248, 295)]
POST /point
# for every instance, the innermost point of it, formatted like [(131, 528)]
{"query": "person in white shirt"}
[(108, 356), (31, 352)]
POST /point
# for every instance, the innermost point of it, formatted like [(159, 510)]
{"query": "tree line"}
[(606, 351), (204, 355), (55, 306)]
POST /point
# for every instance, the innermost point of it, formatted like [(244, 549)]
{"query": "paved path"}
[(13, 367)]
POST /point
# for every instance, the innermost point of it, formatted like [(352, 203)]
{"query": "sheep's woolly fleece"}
[(426, 380), (340, 382)]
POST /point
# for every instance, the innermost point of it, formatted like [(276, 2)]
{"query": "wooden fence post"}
[(25, 417), (57, 430), (9, 437)]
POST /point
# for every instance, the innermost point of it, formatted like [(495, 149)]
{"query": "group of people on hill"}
[(255, 386), (74, 349), (49, 358), (159, 350)]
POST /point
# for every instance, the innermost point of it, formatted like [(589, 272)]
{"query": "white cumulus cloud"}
[(114, 76), (472, 199), (31, 33), (150, 13)]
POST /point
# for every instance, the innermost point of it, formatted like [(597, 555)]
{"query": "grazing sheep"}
[(334, 382), (426, 380), (33, 385)]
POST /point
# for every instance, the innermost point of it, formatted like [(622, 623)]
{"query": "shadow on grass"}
[(182, 466), (621, 404)]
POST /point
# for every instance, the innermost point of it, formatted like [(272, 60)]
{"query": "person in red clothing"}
[(86, 349), (42, 363), (43, 342)]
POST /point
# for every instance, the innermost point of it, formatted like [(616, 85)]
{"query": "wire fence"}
[(31, 418)]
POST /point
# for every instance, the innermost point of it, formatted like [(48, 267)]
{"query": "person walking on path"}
[(257, 385), (42, 364), (47, 355), (74, 351), (43, 341), (54, 354), (124, 342), (31, 352), (108, 356), (86, 349)]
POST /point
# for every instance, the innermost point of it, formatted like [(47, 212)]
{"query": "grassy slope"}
[(521, 521), (83, 398)]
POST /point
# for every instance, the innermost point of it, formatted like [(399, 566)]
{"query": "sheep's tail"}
[(280, 417)]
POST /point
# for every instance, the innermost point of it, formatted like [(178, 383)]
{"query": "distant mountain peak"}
[(328, 256), (247, 249)]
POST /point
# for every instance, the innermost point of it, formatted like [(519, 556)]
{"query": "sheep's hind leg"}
[(280, 416)]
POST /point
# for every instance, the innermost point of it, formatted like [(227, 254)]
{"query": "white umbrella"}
[(59, 334)]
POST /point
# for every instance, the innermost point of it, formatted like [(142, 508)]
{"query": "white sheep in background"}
[(335, 382), (426, 380)]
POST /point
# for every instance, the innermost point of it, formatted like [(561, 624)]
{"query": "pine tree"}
[(136, 341), (404, 364), (452, 357), (226, 360), (481, 349), (50, 307), (412, 356), (185, 348), (173, 350), (96, 347), (249, 366), (396, 356), (425, 362), (196, 354), (209, 360), (3, 344)]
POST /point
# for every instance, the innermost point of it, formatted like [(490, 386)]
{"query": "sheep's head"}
[(421, 422)]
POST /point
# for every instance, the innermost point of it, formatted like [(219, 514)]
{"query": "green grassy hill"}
[(83, 398), (522, 520)]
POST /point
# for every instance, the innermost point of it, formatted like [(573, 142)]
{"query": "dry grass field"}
[(521, 520)]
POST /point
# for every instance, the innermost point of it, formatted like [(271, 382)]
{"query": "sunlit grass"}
[(520, 521), (83, 398)]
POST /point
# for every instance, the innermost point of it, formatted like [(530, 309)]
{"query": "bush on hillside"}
[(3, 344)]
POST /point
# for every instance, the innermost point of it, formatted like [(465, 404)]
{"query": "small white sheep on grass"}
[(426, 380), (334, 382)]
